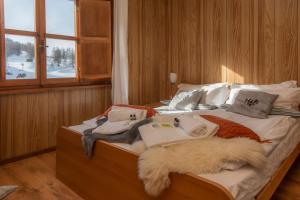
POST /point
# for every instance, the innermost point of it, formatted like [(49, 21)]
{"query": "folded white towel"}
[(162, 132), (211, 128), (192, 126), (110, 128), (124, 113), (155, 134)]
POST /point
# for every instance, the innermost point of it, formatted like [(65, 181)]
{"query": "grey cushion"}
[(253, 103), (185, 100)]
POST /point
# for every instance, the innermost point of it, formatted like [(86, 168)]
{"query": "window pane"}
[(20, 57), (60, 17), (61, 59), (19, 14)]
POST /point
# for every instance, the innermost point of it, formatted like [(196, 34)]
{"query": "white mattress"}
[(245, 183)]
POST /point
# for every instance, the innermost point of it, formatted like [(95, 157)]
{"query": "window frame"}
[(40, 36), (35, 34)]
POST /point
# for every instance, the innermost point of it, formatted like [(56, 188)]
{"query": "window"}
[(42, 42)]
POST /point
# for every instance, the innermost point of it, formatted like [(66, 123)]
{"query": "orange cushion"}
[(230, 129), (150, 111)]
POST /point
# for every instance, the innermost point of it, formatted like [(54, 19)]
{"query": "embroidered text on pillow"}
[(251, 102)]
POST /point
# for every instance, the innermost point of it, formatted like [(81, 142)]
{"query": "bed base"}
[(112, 174)]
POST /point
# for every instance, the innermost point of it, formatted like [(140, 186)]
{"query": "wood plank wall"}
[(148, 50), (207, 41), (28, 122), (245, 41)]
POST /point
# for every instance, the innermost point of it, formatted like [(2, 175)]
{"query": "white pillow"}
[(289, 94), (214, 94), (289, 98), (286, 84), (186, 100)]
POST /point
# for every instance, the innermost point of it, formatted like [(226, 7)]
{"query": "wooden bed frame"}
[(112, 174)]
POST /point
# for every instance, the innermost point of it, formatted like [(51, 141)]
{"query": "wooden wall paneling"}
[(298, 42), (20, 124), (92, 99), (262, 38), (174, 25), (74, 107), (55, 115), (134, 49), (238, 41), (29, 122), (147, 68), (37, 115), (266, 42), (286, 33), (97, 101), (6, 126), (162, 39), (189, 30), (107, 98), (154, 44), (245, 41), (214, 57), (148, 50)]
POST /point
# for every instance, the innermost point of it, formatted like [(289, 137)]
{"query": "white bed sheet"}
[(245, 183)]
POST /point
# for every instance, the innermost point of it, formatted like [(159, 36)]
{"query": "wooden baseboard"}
[(17, 158)]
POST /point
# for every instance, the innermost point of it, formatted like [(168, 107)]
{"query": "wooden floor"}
[(36, 178)]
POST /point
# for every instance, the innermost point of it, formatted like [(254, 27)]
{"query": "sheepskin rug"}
[(197, 156)]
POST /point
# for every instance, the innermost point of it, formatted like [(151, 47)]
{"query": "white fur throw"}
[(197, 156)]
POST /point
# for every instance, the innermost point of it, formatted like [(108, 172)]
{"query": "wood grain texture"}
[(148, 50), (41, 169), (286, 37), (36, 179), (207, 41), (29, 122), (112, 167), (118, 167), (95, 45)]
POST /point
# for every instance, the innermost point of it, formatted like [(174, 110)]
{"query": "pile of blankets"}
[(129, 125), (120, 125)]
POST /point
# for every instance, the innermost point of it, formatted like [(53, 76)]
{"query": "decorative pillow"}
[(214, 94), (230, 129), (185, 100), (253, 103), (150, 111)]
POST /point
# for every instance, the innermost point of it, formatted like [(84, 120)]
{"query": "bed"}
[(112, 171)]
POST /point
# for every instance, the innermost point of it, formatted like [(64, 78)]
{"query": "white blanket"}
[(273, 128)]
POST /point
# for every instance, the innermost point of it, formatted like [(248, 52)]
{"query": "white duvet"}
[(273, 128)]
